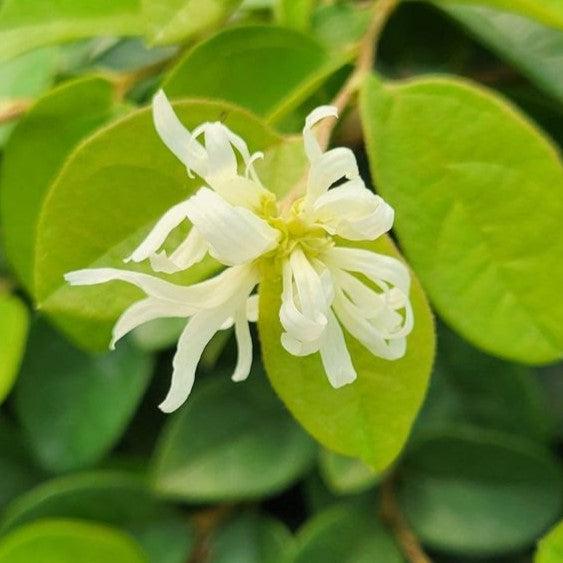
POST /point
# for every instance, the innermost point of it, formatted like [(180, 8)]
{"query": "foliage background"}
[(459, 128)]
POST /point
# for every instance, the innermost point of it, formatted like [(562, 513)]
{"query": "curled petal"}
[(158, 234), (312, 147), (143, 311), (190, 252), (176, 137), (244, 345), (297, 347), (234, 234), (353, 212), (328, 168), (252, 308)]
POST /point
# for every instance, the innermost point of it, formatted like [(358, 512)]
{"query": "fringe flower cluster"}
[(236, 220)]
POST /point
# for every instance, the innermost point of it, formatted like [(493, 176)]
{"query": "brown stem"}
[(392, 515), (11, 110), (206, 523), (364, 63)]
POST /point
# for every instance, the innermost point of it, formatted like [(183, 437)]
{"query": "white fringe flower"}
[(237, 221)]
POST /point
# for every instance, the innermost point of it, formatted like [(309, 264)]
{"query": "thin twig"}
[(10, 110), (392, 515), (364, 64), (206, 522)]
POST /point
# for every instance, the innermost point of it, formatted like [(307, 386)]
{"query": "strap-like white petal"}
[(252, 308), (146, 310), (235, 235), (244, 345), (335, 355), (197, 334), (207, 294), (176, 137), (353, 212), (369, 335), (190, 252), (158, 234), (312, 148), (222, 161), (329, 168), (298, 325), (376, 267), (297, 347)]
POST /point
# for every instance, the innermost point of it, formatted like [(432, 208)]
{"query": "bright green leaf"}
[(478, 193), (13, 335), (535, 49), (34, 155), (346, 534), (170, 21), (24, 78), (549, 12), (550, 547), (251, 538), (370, 418), (114, 498), (28, 24), (112, 190), (295, 14), (479, 493), (69, 541), (345, 475), (267, 69), (231, 441), (88, 400)]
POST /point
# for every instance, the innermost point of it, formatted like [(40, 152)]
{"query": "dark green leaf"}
[(231, 441), (87, 400)]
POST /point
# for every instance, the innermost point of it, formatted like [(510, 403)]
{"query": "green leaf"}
[(111, 191), (472, 388), (549, 12), (34, 156), (370, 418), (114, 498), (346, 534), (295, 14), (28, 24), (345, 475), (69, 541), (478, 191), (479, 493), (340, 26), (18, 472), (230, 441), (88, 400), (535, 49), (550, 547), (14, 321), (24, 78), (251, 538), (267, 69), (171, 21)]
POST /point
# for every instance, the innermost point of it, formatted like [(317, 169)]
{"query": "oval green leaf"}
[(479, 493), (370, 418), (24, 27), (231, 441), (535, 49), (345, 475), (251, 538), (112, 189), (14, 321), (479, 198), (69, 541), (346, 533), (266, 69), (33, 157), (88, 400), (549, 12), (114, 498), (171, 21)]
